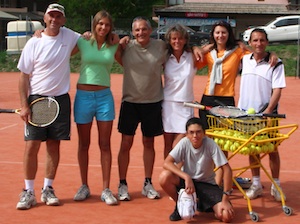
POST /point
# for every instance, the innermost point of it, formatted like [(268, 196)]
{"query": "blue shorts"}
[(90, 104)]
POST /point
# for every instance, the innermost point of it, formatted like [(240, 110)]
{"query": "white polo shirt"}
[(179, 76), (258, 81)]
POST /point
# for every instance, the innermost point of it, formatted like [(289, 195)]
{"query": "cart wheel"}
[(254, 216), (287, 210)]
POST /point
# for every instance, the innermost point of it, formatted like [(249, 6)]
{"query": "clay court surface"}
[(140, 209)]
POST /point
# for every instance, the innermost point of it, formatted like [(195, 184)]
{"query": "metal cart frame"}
[(249, 136)]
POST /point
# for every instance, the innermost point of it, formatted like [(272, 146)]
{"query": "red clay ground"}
[(140, 209)]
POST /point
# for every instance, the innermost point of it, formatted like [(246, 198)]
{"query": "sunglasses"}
[(55, 6)]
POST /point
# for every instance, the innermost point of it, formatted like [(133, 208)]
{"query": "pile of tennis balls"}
[(255, 146)]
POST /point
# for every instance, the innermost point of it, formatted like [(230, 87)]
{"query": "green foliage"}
[(288, 54), (79, 13), (8, 63)]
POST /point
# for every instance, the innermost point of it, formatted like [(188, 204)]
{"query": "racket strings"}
[(227, 112), (44, 111)]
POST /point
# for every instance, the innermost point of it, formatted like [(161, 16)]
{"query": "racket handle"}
[(195, 105), (275, 115), (8, 111)]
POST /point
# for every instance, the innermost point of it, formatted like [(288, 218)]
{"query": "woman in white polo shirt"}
[(179, 74)]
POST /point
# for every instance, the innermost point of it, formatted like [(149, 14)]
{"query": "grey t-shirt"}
[(143, 66), (199, 163)]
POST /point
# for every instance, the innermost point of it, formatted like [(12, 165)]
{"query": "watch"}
[(228, 193)]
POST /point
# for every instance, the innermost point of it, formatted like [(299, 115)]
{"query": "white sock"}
[(29, 185), (256, 181), (47, 182), (277, 181)]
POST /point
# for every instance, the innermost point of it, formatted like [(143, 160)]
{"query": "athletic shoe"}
[(150, 192), (108, 197), (186, 204), (82, 193), (244, 182), (123, 194), (254, 191), (27, 199), (276, 194), (175, 215), (49, 197)]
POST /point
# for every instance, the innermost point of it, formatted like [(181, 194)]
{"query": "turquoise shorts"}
[(90, 104)]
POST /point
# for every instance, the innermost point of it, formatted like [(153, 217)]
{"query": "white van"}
[(285, 28)]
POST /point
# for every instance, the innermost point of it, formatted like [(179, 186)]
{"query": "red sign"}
[(196, 14)]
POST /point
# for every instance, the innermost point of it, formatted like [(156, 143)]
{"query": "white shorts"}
[(175, 116)]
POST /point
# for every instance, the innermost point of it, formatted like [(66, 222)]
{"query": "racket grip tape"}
[(8, 111), (195, 105), (275, 115)]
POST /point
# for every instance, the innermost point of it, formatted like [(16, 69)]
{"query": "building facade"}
[(201, 14)]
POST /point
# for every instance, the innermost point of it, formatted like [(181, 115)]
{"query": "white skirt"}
[(175, 116)]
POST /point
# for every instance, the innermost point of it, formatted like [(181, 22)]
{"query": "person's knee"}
[(148, 142), (164, 177), (224, 217)]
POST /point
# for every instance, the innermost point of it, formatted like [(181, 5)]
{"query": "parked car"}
[(122, 33), (196, 38), (285, 28)]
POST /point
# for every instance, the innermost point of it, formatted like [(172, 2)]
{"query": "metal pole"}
[(298, 50)]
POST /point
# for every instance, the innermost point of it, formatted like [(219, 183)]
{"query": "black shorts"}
[(148, 114), (211, 101), (208, 195), (59, 129)]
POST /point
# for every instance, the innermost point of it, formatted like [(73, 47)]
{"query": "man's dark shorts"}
[(208, 195), (148, 114), (59, 129)]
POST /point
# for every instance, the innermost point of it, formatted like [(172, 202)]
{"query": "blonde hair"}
[(100, 15)]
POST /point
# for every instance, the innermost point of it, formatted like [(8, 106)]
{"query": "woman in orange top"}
[(223, 63)]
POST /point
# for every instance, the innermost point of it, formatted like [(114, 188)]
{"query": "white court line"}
[(9, 126), (115, 166)]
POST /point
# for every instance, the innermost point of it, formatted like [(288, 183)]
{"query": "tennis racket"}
[(197, 105), (230, 111), (44, 111)]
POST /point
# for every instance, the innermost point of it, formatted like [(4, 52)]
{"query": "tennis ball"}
[(251, 111)]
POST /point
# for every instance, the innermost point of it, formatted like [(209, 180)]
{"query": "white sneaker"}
[(49, 197), (27, 199), (186, 204), (82, 193), (150, 192), (123, 194), (254, 191), (276, 194), (108, 197)]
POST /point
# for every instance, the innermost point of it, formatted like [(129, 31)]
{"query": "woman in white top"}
[(178, 86)]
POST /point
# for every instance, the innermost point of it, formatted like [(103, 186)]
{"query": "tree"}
[(79, 12)]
